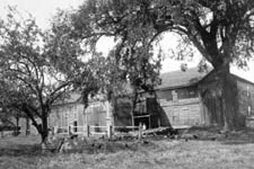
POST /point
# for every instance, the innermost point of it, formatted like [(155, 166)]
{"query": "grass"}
[(235, 151)]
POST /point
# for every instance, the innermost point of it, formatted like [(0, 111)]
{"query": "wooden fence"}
[(90, 130)]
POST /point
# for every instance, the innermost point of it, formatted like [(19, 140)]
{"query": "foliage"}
[(30, 82), (131, 60), (216, 28), (221, 30)]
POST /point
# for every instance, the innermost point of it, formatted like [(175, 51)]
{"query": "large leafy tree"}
[(30, 69), (221, 30), (130, 61)]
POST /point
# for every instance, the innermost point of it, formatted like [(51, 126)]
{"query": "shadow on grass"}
[(237, 142), (241, 136), (21, 145), (21, 150), (11, 147)]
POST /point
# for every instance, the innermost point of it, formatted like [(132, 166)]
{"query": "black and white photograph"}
[(126, 84)]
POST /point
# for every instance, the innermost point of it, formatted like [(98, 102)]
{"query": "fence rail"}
[(90, 130), (125, 127)]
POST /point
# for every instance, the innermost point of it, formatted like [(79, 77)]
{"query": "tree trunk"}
[(41, 128), (17, 125), (134, 104), (44, 136), (27, 126), (44, 128), (112, 103), (228, 88)]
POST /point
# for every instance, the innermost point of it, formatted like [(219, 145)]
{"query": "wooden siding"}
[(67, 115), (95, 114), (246, 102), (182, 112), (211, 101), (245, 98)]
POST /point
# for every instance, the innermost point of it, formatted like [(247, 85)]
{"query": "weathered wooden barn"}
[(183, 98), (72, 112), (179, 97), (67, 112), (192, 98)]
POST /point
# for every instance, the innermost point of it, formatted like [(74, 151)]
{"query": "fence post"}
[(55, 129), (109, 131), (140, 132), (87, 130), (69, 130)]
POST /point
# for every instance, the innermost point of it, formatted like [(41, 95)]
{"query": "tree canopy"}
[(131, 58), (30, 69), (221, 30)]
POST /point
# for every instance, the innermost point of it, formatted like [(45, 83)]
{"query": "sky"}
[(43, 10)]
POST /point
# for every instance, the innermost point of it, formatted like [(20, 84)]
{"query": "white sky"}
[(42, 10)]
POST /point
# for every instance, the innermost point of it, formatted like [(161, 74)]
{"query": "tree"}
[(130, 61), (221, 30), (31, 81), (7, 117)]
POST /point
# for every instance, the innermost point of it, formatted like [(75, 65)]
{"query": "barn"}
[(179, 97), (72, 112), (184, 98), (190, 98)]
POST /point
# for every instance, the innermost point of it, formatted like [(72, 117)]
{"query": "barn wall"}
[(180, 106), (246, 98), (75, 114), (65, 115), (212, 99), (95, 114), (54, 118), (246, 101), (212, 103), (182, 112)]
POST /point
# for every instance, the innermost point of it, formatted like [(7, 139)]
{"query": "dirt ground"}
[(196, 149)]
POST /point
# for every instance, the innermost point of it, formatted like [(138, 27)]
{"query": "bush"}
[(9, 128)]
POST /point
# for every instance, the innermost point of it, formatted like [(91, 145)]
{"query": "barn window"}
[(75, 124), (165, 94), (187, 93)]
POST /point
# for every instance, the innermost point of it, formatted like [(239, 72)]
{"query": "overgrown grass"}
[(163, 153)]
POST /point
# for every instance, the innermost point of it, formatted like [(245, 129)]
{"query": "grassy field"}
[(235, 151)]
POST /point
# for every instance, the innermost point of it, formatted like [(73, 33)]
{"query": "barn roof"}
[(177, 79)]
